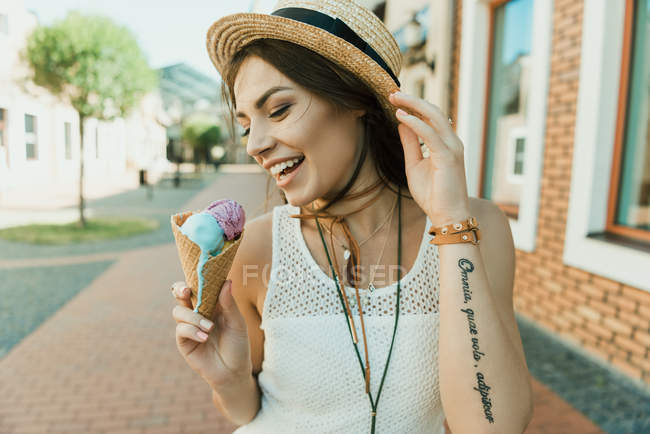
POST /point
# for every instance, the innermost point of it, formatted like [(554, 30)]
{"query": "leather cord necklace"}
[(346, 250), (366, 372), (351, 269)]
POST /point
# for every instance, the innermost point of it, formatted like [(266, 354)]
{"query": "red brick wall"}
[(606, 318)]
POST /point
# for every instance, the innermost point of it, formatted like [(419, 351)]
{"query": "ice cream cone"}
[(215, 269)]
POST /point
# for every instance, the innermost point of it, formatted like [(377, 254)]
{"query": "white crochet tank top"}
[(311, 381)]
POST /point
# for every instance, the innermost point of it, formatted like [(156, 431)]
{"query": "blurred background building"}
[(39, 135), (189, 95)]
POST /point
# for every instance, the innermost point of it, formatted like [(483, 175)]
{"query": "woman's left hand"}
[(437, 183)]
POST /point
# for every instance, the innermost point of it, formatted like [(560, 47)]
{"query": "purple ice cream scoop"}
[(230, 215)]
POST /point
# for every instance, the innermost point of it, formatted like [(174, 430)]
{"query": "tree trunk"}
[(82, 218)]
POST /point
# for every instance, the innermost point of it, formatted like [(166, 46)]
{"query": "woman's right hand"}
[(223, 357)]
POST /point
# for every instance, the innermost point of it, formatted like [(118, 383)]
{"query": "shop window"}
[(629, 208), (511, 25)]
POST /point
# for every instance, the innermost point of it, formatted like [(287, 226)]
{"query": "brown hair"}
[(342, 89)]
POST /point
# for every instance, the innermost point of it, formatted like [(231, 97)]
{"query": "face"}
[(285, 122)]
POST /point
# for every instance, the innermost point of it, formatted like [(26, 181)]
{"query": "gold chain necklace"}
[(371, 277), (346, 250)]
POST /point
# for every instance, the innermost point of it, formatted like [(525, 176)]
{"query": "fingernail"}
[(206, 324), (185, 291), (401, 112), (201, 335)]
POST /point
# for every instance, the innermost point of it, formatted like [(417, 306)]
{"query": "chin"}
[(295, 200), (299, 197)]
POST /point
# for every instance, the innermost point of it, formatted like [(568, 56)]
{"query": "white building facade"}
[(39, 135)]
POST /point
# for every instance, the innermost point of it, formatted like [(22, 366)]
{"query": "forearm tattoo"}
[(466, 266)]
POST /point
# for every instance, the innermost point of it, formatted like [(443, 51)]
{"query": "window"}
[(97, 140), (508, 84), (629, 210), (516, 152), (67, 140), (3, 128), (605, 232), (475, 114), (4, 24), (31, 145), (520, 146)]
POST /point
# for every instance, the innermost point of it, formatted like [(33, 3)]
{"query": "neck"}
[(362, 223)]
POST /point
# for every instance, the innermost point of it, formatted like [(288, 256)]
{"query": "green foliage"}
[(90, 62), (201, 135), (210, 137)]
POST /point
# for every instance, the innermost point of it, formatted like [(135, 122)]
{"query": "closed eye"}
[(272, 115)]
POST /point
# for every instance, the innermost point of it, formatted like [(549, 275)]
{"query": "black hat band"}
[(337, 28)]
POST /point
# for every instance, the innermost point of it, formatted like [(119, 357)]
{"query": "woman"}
[(370, 282)]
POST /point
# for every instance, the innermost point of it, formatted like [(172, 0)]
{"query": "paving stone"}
[(615, 404)]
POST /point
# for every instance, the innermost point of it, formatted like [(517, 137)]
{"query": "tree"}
[(201, 136), (93, 64)]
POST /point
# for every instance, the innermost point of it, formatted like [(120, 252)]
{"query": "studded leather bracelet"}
[(466, 231)]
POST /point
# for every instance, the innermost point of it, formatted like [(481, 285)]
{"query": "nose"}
[(258, 142)]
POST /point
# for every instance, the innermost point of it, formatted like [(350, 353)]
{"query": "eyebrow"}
[(260, 102)]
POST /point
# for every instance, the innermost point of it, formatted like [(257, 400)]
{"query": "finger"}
[(230, 311), (182, 294), (187, 315), (411, 144), (188, 331), (423, 130), (425, 110)]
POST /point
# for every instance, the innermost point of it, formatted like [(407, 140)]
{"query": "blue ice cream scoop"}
[(204, 230)]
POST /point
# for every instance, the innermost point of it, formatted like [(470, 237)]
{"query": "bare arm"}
[(484, 380), (240, 401)]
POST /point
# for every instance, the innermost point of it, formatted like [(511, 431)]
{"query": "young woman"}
[(366, 303)]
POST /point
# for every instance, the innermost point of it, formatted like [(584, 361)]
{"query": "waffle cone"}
[(215, 269)]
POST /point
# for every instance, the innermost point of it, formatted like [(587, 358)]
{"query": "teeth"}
[(277, 168)]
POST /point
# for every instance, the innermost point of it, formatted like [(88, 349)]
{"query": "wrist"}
[(232, 384), (449, 218)]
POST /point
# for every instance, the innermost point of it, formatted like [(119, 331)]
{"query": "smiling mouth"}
[(287, 170)]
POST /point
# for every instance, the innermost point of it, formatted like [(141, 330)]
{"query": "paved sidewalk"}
[(107, 362)]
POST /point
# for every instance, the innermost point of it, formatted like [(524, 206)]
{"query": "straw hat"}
[(340, 30)]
